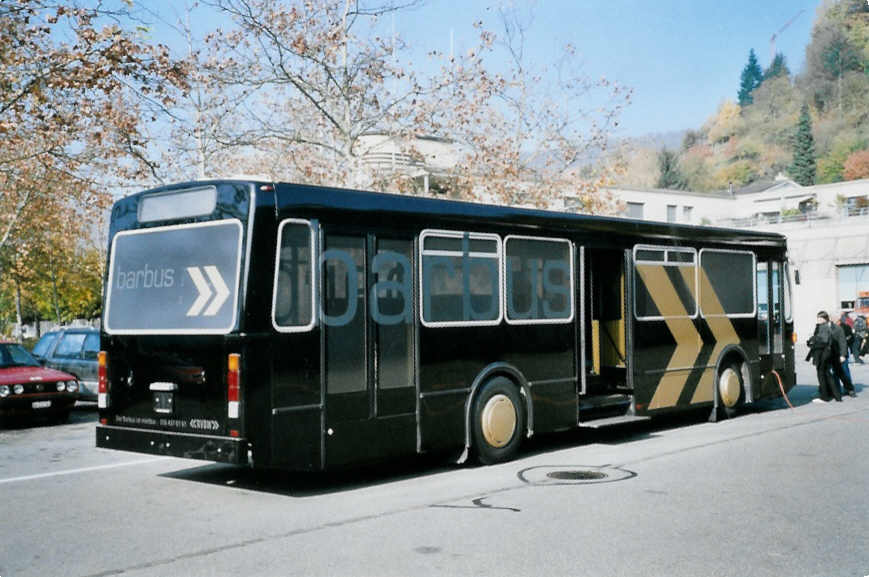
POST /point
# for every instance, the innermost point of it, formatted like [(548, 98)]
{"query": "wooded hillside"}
[(812, 126)]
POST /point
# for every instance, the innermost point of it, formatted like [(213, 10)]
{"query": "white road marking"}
[(82, 470)]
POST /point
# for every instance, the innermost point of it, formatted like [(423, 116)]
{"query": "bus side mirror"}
[(796, 276)]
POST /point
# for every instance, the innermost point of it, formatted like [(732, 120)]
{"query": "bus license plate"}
[(41, 404), (163, 403)]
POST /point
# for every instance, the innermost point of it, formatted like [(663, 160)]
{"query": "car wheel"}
[(498, 421)]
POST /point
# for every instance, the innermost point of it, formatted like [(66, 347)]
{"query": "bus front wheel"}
[(730, 389), (498, 421)]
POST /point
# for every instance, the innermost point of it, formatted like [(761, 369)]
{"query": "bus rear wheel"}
[(730, 390), (498, 421)]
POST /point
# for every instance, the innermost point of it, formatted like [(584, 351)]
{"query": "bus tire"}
[(498, 421), (730, 390)]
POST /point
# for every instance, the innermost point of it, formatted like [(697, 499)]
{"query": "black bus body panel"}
[(285, 418), (186, 446)]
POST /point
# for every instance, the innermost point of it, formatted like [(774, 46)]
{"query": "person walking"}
[(840, 355), (860, 330), (821, 355)]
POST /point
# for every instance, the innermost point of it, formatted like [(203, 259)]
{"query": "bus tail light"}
[(233, 384), (103, 380)]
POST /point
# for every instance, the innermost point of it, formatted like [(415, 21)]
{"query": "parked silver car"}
[(74, 351)]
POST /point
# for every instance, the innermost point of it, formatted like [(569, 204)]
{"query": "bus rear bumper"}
[(202, 447)]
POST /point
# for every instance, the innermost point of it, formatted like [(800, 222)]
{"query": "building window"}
[(853, 285), (687, 213), (635, 210), (671, 213)]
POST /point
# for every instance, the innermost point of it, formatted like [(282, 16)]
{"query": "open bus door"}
[(605, 351), (774, 323)]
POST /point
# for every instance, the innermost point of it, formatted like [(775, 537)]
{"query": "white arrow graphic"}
[(220, 287), (202, 287)]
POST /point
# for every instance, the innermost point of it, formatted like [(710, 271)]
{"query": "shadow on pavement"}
[(307, 484), (303, 484)]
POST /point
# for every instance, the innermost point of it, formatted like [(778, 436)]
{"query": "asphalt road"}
[(773, 492)]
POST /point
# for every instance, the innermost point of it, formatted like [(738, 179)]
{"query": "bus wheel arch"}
[(498, 414)]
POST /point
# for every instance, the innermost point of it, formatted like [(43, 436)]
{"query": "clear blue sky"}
[(681, 57)]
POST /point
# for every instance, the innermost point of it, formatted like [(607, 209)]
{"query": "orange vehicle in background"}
[(861, 307)]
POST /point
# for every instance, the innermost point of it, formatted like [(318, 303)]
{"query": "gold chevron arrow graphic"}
[(723, 331), (688, 340)]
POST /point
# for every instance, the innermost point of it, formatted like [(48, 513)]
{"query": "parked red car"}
[(28, 389)]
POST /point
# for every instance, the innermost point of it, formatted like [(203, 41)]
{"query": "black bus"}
[(301, 327)]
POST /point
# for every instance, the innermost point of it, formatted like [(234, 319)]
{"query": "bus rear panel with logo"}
[(172, 314)]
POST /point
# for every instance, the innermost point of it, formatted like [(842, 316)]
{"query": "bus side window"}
[(292, 306), (460, 278), (665, 285), (724, 274), (538, 276)]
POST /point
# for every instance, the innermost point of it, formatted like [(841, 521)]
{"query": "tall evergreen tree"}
[(752, 76), (778, 67), (802, 168), (670, 177)]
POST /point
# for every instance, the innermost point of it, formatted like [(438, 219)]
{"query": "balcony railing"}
[(810, 218)]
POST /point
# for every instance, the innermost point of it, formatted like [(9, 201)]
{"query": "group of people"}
[(829, 349)]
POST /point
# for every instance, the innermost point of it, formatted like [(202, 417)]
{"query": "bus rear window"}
[(178, 204), (175, 279)]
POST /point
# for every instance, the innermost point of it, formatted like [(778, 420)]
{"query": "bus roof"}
[(389, 207), (396, 206)]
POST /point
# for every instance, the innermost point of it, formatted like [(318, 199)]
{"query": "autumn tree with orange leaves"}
[(73, 83), (294, 89)]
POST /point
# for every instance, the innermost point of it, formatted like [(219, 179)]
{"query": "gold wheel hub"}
[(729, 387), (498, 421)]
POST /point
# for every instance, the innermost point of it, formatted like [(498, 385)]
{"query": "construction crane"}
[(780, 30)]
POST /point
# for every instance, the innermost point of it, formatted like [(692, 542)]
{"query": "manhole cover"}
[(574, 475)]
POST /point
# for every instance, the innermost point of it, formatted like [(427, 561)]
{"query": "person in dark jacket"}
[(821, 355), (860, 334), (840, 358)]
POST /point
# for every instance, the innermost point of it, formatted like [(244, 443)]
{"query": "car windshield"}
[(12, 355), (41, 348)]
